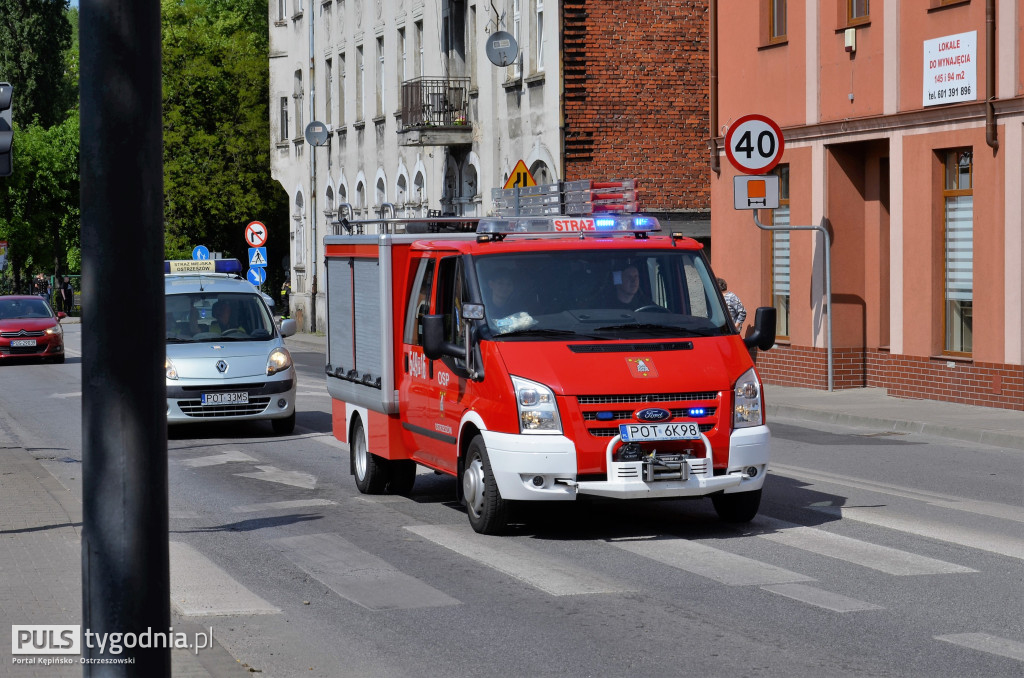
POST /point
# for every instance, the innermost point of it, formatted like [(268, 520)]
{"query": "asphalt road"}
[(875, 554)]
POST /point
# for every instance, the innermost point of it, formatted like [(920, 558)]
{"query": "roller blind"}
[(960, 248), (780, 253)]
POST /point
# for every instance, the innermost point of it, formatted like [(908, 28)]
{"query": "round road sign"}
[(256, 234), (754, 144)]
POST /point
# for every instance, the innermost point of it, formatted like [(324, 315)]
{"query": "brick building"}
[(904, 129)]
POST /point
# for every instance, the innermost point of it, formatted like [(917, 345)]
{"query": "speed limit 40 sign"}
[(754, 144)]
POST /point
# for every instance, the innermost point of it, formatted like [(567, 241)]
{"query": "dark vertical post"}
[(125, 570)]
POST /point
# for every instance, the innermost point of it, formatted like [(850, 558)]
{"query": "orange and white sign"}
[(759, 192)]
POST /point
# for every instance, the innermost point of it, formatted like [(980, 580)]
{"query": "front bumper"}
[(184, 404), (543, 468)]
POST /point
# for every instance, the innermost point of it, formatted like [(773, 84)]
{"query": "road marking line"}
[(217, 459), (983, 642), (272, 474), (275, 505), (985, 508), (819, 598), (201, 588), (724, 567), (1001, 544), (359, 576), (877, 557), (549, 574)]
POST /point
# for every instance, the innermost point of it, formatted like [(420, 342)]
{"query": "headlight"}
[(747, 404), (538, 411), (169, 369), (280, 359), (56, 329)]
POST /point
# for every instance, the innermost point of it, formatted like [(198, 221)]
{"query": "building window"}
[(776, 21), (958, 198), (403, 57), (328, 89), (282, 10), (359, 83), (858, 12), (471, 45), (380, 76), (540, 35), (517, 32), (341, 89), (780, 255), (418, 55), (284, 119)]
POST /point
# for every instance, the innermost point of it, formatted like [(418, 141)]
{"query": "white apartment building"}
[(418, 121)]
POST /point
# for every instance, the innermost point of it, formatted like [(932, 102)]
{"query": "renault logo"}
[(222, 366)]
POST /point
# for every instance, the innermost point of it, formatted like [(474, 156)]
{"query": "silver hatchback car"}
[(226, 358)]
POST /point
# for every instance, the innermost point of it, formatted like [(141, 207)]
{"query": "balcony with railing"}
[(435, 112)]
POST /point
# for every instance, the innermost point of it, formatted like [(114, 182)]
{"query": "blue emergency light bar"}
[(203, 266), (602, 223)]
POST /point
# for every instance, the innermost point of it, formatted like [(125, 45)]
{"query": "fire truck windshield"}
[(600, 294)]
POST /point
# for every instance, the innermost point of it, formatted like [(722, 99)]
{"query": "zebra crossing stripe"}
[(724, 567), (882, 558), (549, 574), (819, 598), (983, 642), (358, 576), (201, 588)]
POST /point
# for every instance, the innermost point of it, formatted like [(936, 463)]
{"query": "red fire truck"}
[(540, 359)]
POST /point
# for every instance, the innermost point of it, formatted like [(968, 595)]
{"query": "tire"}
[(488, 512), (369, 469), (283, 427), (740, 507), (401, 475)]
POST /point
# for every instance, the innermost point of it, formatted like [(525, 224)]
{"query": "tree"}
[(34, 35), (39, 213), (216, 125)]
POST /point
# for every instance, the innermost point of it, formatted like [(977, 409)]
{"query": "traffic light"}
[(6, 131)]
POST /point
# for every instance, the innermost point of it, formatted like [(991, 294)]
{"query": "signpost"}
[(520, 177), (754, 144), (256, 236)]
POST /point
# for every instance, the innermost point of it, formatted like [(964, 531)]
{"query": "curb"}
[(971, 435)]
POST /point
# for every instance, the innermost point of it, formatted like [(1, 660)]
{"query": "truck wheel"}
[(370, 470), (488, 512), (740, 507), (283, 427)]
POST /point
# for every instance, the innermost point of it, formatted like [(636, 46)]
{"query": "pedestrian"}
[(67, 295), (736, 310)]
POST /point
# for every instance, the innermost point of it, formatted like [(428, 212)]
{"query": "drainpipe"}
[(713, 86), (990, 75)]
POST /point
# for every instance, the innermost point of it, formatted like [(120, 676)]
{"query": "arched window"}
[(541, 173)]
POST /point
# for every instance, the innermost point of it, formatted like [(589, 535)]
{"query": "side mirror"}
[(61, 315), (764, 329), (434, 345), (288, 327)]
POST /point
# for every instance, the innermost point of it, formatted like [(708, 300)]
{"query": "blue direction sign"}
[(257, 256), (257, 275), (200, 253)]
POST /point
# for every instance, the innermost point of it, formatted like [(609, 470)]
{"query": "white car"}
[(226, 359)]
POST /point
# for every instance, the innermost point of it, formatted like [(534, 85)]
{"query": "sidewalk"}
[(869, 407)]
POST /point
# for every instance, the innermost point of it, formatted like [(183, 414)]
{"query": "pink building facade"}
[(904, 131)]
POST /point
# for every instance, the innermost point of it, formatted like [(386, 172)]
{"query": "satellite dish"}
[(502, 48), (316, 133)]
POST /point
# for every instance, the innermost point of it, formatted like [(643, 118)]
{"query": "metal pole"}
[(823, 229), (312, 174), (125, 569)]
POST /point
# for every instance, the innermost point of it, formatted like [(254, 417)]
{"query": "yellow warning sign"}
[(520, 177)]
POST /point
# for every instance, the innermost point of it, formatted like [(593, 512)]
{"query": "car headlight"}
[(56, 329), (169, 369), (538, 411), (748, 409), (280, 359)]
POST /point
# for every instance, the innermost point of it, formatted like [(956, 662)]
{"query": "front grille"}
[(643, 399), (208, 388), (611, 432), (627, 414), (22, 333), (195, 408)]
